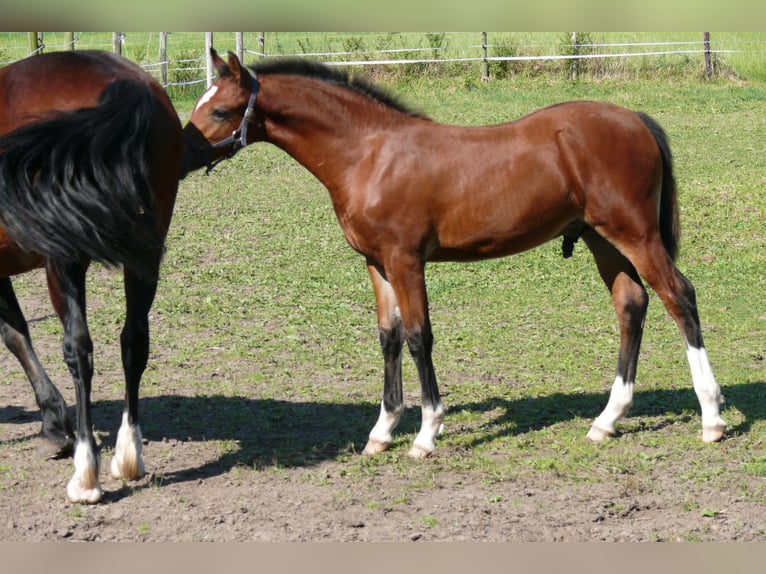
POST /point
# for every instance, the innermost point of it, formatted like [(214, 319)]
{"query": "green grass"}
[(265, 318)]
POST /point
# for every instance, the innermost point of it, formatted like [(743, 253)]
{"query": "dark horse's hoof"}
[(56, 445)]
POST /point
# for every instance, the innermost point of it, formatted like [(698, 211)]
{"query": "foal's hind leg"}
[(630, 302), (139, 296), (15, 333), (679, 298), (66, 285)]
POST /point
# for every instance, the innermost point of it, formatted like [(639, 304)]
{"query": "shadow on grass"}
[(288, 434), (530, 414)]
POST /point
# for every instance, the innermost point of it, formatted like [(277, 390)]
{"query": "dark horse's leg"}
[(630, 302), (406, 281), (13, 328), (66, 285), (139, 296)]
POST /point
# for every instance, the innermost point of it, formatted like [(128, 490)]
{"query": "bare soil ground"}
[(206, 481)]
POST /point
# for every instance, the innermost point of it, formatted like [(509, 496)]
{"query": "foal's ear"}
[(219, 65), (242, 76)]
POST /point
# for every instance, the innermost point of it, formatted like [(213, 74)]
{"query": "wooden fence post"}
[(70, 40), (208, 60), (117, 43), (240, 46), (164, 58), (33, 42), (576, 61), (708, 62), (484, 63)]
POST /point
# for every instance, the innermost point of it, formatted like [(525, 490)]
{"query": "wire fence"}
[(179, 59)]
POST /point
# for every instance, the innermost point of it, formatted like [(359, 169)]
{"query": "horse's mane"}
[(334, 75)]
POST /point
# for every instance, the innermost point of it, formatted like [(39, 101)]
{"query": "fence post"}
[(164, 58), (240, 46), (208, 59), (117, 42), (34, 41), (708, 62), (262, 44), (70, 40), (484, 63), (576, 61)]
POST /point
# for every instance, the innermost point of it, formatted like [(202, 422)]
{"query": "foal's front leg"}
[(409, 284), (403, 315), (391, 343)]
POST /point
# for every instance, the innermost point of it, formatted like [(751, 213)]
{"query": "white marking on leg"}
[(206, 97), (381, 435), (708, 394), (127, 462), (620, 401), (84, 486), (432, 426)]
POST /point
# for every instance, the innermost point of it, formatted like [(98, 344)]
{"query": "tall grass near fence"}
[(405, 54)]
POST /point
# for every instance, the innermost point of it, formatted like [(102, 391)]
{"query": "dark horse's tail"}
[(670, 230), (75, 186)]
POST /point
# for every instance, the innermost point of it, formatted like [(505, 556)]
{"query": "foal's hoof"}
[(597, 434), (713, 434), (418, 451), (374, 447)]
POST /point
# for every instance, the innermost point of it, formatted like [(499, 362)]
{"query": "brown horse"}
[(407, 190), (90, 158)]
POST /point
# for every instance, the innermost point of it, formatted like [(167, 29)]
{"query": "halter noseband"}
[(238, 138)]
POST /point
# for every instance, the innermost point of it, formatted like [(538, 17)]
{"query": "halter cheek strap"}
[(238, 138)]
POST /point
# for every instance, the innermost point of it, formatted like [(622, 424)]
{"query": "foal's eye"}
[(220, 115)]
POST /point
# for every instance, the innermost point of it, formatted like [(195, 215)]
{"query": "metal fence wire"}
[(178, 59)]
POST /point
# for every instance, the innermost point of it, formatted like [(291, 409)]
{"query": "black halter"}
[(238, 138)]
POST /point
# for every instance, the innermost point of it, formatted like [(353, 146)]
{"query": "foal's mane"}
[(333, 75)]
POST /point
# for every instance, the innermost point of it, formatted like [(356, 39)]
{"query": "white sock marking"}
[(620, 401), (707, 389), (127, 462), (84, 485), (432, 425), (383, 429)]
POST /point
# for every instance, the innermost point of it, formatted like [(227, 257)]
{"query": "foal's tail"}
[(75, 186), (670, 229)]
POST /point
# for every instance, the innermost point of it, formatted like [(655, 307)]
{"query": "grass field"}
[(261, 298)]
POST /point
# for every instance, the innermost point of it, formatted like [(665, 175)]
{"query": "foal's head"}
[(219, 123)]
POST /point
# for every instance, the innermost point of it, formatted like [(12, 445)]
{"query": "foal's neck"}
[(321, 124)]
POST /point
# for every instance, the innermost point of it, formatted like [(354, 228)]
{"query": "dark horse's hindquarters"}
[(90, 159)]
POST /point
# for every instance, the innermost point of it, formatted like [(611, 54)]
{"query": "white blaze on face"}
[(206, 97)]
